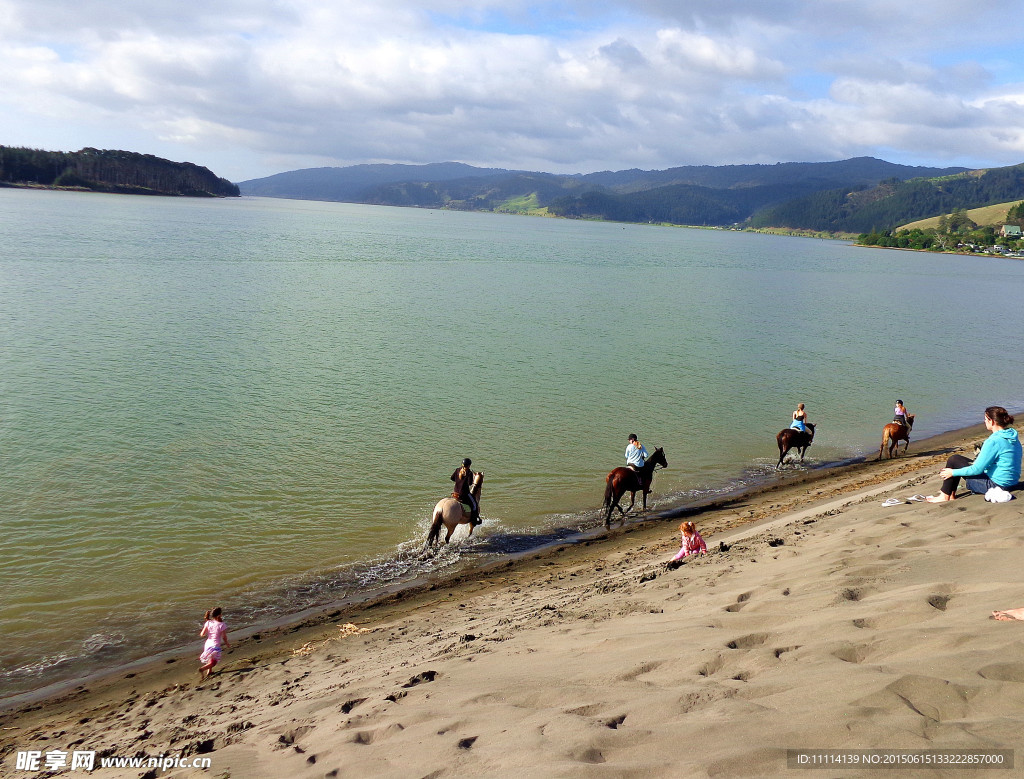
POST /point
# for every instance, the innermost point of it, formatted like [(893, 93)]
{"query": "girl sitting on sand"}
[(997, 464), (692, 542), (216, 634)]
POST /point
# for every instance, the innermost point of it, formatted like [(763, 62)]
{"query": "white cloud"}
[(249, 87)]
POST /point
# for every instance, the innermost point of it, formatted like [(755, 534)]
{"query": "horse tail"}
[(608, 491), (435, 528), (885, 440)]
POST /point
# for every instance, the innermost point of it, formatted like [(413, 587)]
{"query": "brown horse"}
[(623, 480), (450, 513), (791, 438), (893, 433)]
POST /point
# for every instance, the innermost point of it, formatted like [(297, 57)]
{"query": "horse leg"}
[(613, 503), (451, 529), (881, 446), (632, 502)]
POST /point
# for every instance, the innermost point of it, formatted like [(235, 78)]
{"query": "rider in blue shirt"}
[(636, 455)]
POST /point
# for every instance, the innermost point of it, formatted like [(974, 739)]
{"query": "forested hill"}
[(109, 171), (895, 202), (353, 184), (693, 195)]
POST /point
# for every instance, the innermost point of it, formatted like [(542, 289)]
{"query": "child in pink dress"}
[(692, 542), (216, 634)]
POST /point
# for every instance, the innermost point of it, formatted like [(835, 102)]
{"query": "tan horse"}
[(450, 513), (893, 433)]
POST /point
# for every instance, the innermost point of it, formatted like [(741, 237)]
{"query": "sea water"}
[(255, 403)]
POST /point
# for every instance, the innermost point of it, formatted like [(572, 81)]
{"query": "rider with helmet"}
[(463, 490), (636, 455), (900, 414)]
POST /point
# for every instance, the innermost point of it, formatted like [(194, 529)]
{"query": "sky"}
[(249, 88)]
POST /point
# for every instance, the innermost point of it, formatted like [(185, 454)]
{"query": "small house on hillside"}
[(1010, 231)]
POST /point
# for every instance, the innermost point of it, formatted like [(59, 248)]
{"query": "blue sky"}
[(254, 87)]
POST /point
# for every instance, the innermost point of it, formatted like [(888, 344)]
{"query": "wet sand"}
[(819, 619)]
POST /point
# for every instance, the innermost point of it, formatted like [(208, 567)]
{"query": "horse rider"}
[(900, 414), (462, 491), (799, 419), (636, 455)]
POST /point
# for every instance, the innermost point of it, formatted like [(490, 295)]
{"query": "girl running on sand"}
[(216, 634)]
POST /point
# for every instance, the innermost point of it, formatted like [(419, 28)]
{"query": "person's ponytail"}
[(999, 415)]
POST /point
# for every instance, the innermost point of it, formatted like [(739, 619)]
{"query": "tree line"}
[(894, 202), (109, 171), (955, 232)]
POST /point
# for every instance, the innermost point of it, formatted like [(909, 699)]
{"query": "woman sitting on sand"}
[(997, 464)]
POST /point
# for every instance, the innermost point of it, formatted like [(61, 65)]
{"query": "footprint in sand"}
[(646, 668), (588, 755), (782, 650), (852, 653), (749, 641), (712, 667), (426, 676), (614, 722), (1003, 672)]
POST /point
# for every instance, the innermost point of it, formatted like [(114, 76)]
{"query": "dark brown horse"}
[(893, 433), (791, 438), (623, 480)]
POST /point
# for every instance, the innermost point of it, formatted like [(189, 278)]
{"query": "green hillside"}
[(895, 202), (986, 215)]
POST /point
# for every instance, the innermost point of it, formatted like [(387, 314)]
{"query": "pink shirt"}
[(215, 631), (691, 545)]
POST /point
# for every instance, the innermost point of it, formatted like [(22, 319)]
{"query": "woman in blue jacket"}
[(997, 464)]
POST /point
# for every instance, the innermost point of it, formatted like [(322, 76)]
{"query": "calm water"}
[(256, 403)]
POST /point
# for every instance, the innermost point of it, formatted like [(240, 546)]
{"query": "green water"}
[(256, 403)]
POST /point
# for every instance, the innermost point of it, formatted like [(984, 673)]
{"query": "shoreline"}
[(725, 512), (822, 617), (584, 525)]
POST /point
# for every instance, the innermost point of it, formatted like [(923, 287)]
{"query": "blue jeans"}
[(976, 484)]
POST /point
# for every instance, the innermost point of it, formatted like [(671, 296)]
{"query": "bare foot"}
[(1008, 615), (940, 498)]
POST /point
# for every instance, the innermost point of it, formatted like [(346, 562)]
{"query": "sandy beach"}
[(820, 619)]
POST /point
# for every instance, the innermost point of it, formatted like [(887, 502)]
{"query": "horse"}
[(893, 433), (791, 438), (622, 480), (450, 513)]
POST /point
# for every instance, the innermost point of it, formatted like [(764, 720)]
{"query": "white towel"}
[(998, 495)]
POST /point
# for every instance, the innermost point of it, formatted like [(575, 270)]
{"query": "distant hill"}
[(109, 171), (894, 202), (354, 183), (699, 194)]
